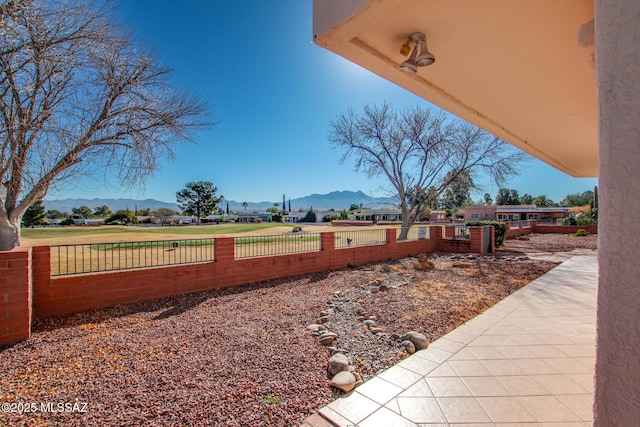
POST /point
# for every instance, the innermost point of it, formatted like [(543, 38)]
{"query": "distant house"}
[(254, 217), (438, 216), (480, 213), (514, 213), (377, 215), (220, 218), (184, 219), (293, 217), (89, 222)]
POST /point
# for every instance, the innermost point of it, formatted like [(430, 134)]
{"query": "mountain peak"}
[(334, 200)]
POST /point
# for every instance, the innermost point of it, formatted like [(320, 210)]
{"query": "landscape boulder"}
[(327, 338), (409, 346), (423, 264), (337, 363), (419, 341), (314, 327), (344, 381)]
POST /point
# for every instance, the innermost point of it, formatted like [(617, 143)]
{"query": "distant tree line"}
[(511, 197)]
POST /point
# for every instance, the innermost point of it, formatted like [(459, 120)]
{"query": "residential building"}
[(438, 216), (377, 215), (514, 213)]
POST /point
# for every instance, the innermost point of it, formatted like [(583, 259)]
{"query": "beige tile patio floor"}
[(529, 361)]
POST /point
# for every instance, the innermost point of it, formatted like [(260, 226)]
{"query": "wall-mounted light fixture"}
[(416, 60)]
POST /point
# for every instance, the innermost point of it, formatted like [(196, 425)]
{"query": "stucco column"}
[(617, 382)]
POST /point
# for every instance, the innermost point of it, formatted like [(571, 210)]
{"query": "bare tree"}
[(77, 96), (421, 152), (164, 214)]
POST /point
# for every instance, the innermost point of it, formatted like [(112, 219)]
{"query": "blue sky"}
[(274, 94)]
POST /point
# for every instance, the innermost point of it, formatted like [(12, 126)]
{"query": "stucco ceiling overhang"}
[(514, 68)]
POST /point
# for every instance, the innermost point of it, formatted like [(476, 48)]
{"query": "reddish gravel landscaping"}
[(550, 243), (243, 357)]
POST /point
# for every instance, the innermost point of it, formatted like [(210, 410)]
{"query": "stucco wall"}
[(617, 383)]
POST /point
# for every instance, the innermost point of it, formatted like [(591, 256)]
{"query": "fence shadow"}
[(167, 307)]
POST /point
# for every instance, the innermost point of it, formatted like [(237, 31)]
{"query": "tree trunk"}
[(9, 233), (406, 223), (404, 231)]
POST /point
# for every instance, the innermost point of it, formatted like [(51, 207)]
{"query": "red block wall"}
[(15, 295), (70, 294)]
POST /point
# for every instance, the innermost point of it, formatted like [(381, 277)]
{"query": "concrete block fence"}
[(28, 291)]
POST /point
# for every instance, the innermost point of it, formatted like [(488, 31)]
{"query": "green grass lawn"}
[(107, 233)]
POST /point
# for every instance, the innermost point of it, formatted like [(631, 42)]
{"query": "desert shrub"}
[(585, 220), (329, 218), (123, 216), (499, 229), (581, 232), (276, 217)]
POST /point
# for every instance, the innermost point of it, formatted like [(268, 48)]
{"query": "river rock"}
[(418, 340), (344, 381), (409, 346), (337, 363), (314, 327), (376, 330), (370, 323), (327, 338), (359, 380)]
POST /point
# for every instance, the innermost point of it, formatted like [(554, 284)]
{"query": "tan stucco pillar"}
[(617, 382)]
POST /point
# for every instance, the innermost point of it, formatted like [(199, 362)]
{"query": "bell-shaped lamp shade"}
[(425, 58), (410, 64)]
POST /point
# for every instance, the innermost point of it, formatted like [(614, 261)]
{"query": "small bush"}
[(581, 232), (585, 220), (499, 229), (329, 218), (276, 217), (267, 398)]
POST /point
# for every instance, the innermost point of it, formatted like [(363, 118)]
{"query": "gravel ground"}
[(550, 243), (244, 357)]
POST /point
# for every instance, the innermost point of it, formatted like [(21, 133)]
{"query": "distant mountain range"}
[(335, 200)]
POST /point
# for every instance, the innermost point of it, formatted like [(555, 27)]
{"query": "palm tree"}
[(542, 201), (244, 205)]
